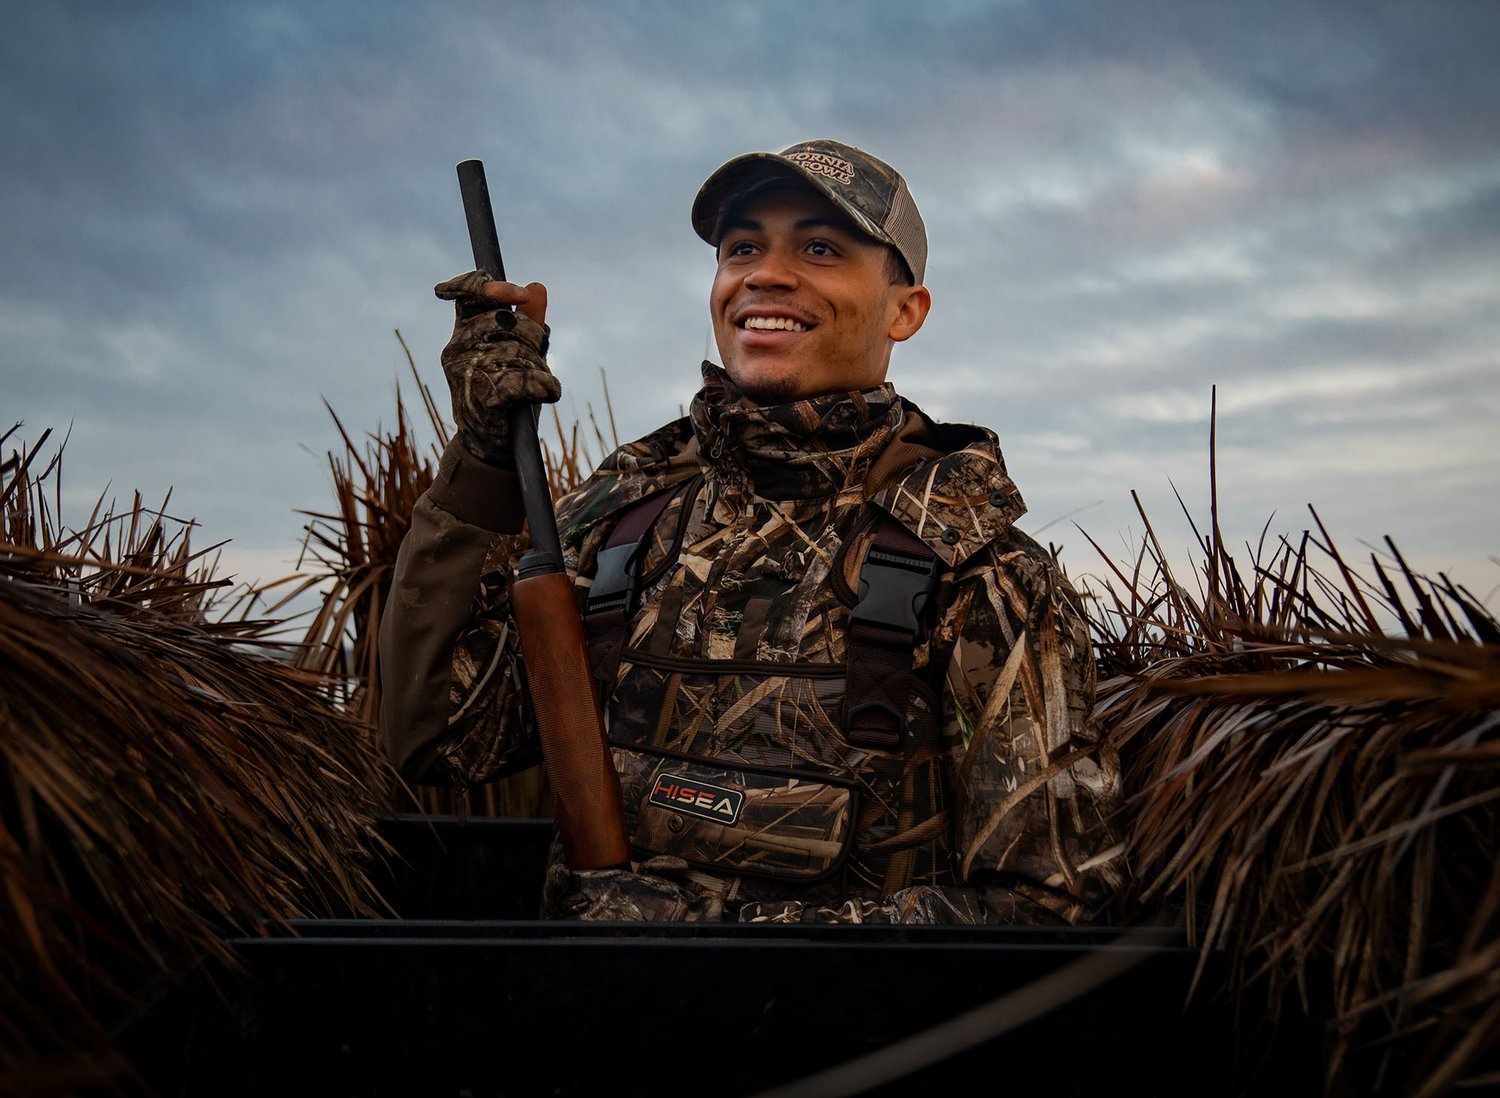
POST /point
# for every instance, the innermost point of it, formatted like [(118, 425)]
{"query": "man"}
[(849, 688)]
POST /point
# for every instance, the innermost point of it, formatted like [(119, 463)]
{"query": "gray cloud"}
[(216, 217)]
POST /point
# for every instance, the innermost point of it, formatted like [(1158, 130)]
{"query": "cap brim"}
[(741, 176)]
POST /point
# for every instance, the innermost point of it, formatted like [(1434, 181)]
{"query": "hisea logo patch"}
[(695, 798)]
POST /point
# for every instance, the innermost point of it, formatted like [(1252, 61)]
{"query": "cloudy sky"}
[(217, 215)]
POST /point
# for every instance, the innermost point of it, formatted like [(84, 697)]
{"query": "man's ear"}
[(909, 310)]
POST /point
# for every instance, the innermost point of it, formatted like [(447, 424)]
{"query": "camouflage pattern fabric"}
[(730, 684), (495, 357), (645, 894)]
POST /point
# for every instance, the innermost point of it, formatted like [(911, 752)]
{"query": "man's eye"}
[(820, 247), (742, 247)]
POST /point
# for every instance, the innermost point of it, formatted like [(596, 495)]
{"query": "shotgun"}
[(585, 786)]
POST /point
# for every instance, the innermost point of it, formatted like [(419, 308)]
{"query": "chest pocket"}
[(736, 766), (735, 819)]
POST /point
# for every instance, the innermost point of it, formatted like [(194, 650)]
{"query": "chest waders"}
[(779, 779)]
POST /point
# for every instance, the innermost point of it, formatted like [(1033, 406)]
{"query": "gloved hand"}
[(495, 358), (620, 895)]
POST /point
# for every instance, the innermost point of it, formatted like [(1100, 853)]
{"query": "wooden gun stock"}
[(585, 786)]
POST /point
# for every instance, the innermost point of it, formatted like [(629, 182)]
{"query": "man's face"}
[(801, 303)]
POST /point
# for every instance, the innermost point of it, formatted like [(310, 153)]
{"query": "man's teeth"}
[(774, 324)]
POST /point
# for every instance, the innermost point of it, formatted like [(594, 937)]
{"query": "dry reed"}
[(1318, 797), (163, 781)]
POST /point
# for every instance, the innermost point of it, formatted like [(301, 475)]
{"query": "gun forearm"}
[(590, 814)]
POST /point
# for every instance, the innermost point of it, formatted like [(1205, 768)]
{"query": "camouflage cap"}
[(869, 190)]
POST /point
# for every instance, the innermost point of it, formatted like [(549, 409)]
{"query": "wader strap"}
[(896, 582), (616, 590)]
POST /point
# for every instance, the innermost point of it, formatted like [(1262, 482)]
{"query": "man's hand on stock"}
[(495, 358)]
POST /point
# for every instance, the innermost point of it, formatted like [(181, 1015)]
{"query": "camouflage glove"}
[(495, 358), (619, 895)]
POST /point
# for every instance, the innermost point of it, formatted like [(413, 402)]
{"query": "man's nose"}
[(776, 270)]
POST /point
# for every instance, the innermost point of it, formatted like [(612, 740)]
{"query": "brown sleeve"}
[(477, 493), (435, 599)]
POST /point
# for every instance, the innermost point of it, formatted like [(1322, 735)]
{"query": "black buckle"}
[(617, 582), (864, 733), (894, 590)]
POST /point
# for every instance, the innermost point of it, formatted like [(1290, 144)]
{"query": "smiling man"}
[(842, 686), (805, 303)]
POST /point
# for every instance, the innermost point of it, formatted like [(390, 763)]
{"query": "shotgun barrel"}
[(585, 786)]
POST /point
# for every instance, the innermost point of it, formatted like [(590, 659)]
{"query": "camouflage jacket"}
[(732, 672)]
